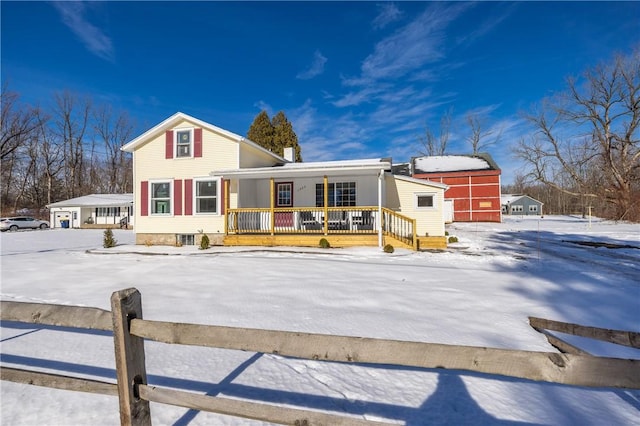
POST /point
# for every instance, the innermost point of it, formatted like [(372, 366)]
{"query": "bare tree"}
[(114, 131), (51, 158), (478, 138), (437, 145), (587, 141), (70, 119), (18, 122)]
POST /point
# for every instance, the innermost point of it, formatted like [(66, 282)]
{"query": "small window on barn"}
[(425, 201)]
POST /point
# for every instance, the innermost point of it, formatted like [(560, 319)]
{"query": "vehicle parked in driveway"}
[(22, 222)]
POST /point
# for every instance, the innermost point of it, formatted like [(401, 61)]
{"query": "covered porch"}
[(300, 203)]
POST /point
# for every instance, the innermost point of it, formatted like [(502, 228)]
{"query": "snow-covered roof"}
[(319, 168), (96, 200), (453, 163)]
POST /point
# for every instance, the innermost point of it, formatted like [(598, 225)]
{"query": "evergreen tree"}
[(262, 131), (284, 136), (274, 135)]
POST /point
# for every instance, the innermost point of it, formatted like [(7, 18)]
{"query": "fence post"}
[(130, 363)]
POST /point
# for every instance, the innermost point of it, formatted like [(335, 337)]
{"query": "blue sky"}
[(356, 79)]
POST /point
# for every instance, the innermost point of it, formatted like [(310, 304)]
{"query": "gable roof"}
[(310, 169), (453, 163), (180, 116), (514, 198), (96, 200)]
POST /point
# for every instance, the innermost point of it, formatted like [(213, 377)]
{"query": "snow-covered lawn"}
[(478, 292)]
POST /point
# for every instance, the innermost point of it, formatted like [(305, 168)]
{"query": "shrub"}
[(446, 233), (453, 239), (108, 240), (388, 248), (324, 243), (204, 242), (178, 243), (148, 242)]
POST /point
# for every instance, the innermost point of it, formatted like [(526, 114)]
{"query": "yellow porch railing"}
[(322, 221), (306, 220), (400, 227)]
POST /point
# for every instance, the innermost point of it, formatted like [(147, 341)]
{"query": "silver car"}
[(22, 222)]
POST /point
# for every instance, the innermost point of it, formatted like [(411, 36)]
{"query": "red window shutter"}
[(168, 144), (222, 200), (177, 197), (144, 198), (197, 142), (188, 197)]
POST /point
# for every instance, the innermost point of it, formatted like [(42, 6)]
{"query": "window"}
[(107, 211), (161, 197), (425, 201), (185, 239), (533, 209), (341, 194), (284, 194), (184, 140), (206, 196), (517, 209)]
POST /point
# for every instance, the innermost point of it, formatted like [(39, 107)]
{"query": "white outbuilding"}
[(92, 210)]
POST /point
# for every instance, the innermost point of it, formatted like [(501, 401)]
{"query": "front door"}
[(284, 198)]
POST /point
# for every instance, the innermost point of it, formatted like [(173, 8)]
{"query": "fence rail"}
[(130, 330)]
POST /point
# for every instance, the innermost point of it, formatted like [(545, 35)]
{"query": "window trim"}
[(277, 194), (191, 142), (417, 195), (151, 197), (195, 196)]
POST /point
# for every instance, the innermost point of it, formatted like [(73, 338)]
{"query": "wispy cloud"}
[(389, 13), (419, 43), (95, 40), (316, 68), (263, 106)]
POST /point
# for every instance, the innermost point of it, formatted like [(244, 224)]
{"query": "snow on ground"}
[(478, 292)]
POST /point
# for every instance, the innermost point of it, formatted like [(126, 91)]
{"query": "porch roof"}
[(365, 167)]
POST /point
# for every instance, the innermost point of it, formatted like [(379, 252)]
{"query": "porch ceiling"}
[(292, 170)]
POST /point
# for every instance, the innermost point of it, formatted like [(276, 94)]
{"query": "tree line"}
[(583, 152), (65, 151), (72, 148)]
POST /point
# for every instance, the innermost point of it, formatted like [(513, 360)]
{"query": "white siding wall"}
[(256, 193)]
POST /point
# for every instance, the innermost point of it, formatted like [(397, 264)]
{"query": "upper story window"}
[(160, 197), (184, 143), (207, 195), (425, 201)]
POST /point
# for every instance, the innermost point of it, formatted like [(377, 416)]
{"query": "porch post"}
[(273, 200), (325, 182), (226, 206)]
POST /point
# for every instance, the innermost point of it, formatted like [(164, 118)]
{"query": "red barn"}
[(473, 180)]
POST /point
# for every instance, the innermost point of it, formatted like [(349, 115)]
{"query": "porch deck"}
[(341, 226)]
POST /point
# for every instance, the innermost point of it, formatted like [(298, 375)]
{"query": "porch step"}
[(432, 243)]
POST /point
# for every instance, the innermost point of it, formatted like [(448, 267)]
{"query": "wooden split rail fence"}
[(134, 393)]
